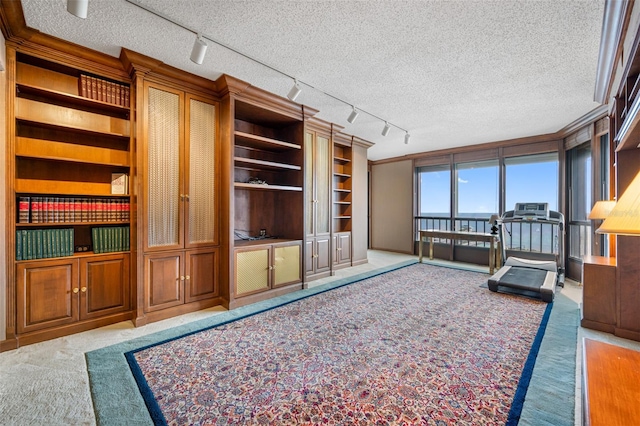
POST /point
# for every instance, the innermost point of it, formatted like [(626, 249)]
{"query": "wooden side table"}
[(611, 385), (599, 310)]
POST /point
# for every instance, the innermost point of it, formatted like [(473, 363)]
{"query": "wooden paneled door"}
[(201, 274), (104, 285), (163, 282), (318, 163), (47, 294)]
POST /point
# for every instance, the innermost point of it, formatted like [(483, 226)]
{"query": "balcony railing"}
[(521, 236), (463, 224)]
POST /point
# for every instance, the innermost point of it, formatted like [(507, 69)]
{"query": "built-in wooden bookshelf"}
[(66, 150), (342, 184), (266, 198), (268, 161), (342, 200)]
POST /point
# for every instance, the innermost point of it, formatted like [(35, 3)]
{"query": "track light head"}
[(199, 50), (407, 136), (352, 117), (295, 91), (385, 130), (78, 8)]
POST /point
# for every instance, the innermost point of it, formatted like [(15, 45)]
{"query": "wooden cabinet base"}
[(48, 334), (598, 310), (179, 310), (258, 297)]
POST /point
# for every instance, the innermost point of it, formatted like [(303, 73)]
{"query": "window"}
[(531, 178), (605, 170), (434, 197), (477, 189), (579, 162)]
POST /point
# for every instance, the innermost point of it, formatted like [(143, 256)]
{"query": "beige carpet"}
[(47, 383)]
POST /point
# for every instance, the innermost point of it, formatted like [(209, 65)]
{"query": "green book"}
[(70, 242), (104, 246), (49, 242), (109, 237), (38, 243), (29, 244), (94, 240), (56, 242), (64, 236), (45, 244), (18, 245), (119, 232), (126, 238)]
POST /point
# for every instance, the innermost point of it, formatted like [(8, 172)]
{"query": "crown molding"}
[(590, 117), (614, 25)]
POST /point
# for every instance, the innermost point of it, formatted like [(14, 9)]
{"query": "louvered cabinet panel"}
[(202, 169), (163, 195)]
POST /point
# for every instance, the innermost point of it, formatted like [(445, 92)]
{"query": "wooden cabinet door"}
[(163, 280), (286, 264), (309, 256), (201, 274), (344, 247), (323, 254), (318, 175), (201, 169), (104, 285), (253, 272), (323, 174), (163, 167), (47, 294)]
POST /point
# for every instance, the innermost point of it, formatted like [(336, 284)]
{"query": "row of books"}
[(103, 90), (70, 209), (43, 243), (110, 239)]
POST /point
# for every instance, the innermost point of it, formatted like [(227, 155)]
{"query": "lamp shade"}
[(199, 50), (624, 218), (78, 8), (601, 209)]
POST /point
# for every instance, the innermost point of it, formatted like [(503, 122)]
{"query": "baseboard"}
[(595, 325), (627, 334), (8, 345), (360, 262)]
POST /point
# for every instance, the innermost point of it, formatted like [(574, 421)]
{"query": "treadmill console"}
[(532, 211)]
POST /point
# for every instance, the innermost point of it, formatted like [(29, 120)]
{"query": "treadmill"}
[(534, 273)]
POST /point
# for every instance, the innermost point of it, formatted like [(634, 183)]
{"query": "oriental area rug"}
[(420, 344)]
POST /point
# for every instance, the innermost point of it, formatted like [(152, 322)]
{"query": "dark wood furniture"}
[(611, 385), (599, 297)]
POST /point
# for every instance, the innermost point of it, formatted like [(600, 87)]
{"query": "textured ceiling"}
[(452, 73)]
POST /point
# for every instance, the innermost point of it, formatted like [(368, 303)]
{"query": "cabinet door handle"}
[(270, 268), (273, 267), (186, 197), (182, 278), (188, 277), (181, 197), (75, 290), (83, 289), (339, 248)]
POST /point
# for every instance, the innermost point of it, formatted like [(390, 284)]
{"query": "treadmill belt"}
[(524, 278)]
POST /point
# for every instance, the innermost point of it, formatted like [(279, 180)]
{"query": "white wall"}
[(392, 206)]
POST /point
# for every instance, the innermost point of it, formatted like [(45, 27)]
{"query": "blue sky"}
[(478, 188)]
